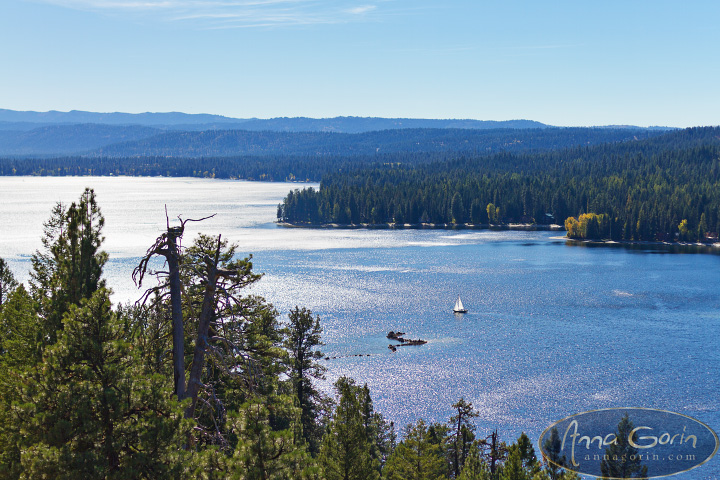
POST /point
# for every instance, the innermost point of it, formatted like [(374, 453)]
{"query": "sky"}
[(574, 63)]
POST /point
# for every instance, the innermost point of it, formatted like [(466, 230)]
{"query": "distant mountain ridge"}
[(373, 124), (177, 134), (114, 118), (18, 120)]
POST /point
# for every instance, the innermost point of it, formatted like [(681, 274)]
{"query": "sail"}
[(458, 305)]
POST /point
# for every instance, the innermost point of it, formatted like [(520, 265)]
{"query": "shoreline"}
[(425, 226), (710, 247), (639, 243)]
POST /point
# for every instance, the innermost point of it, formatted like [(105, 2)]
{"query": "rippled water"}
[(552, 329)]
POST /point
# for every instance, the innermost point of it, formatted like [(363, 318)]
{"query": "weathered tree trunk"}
[(457, 446), (206, 316), (494, 454), (178, 335)]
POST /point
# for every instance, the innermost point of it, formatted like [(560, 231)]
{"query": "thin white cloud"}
[(362, 9), (231, 13)]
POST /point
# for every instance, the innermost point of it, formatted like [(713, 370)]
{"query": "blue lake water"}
[(552, 329)]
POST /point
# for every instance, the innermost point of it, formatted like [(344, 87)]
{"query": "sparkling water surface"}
[(552, 329)]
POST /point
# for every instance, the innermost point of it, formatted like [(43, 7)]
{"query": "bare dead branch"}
[(183, 222)]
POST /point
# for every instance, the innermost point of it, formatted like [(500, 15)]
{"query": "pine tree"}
[(521, 463), (69, 268), (65, 272), (462, 434), (476, 212), (555, 461), (513, 468), (527, 453), (90, 412), (302, 342), (438, 434), (416, 457), (622, 459), (21, 340), (7, 282), (475, 467), (457, 209), (21, 343), (702, 228), (266, 447), (346, 451)]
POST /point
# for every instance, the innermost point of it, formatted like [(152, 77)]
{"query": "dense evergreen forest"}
[(271, 168), (199, 379), (665, 188), (286, 160), (431, 140), (111, 141), (68, 139)]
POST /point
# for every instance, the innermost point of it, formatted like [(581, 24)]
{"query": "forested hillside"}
[(199, 379), (290, 156), (271, 155), (665, 188), (97, 140), (64, 139), (303, 168), (425, 140)]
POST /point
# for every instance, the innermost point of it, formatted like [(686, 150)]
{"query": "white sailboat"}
[(459, 306)]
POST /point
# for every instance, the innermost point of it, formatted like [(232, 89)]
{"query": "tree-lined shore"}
[(662, 189)]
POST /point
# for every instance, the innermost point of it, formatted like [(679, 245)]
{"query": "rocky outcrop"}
[(404, 342), (395, 335)]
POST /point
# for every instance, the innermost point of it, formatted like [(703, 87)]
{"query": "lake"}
[(553, 329)]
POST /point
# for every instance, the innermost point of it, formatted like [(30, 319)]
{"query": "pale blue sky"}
[(559, 62)]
